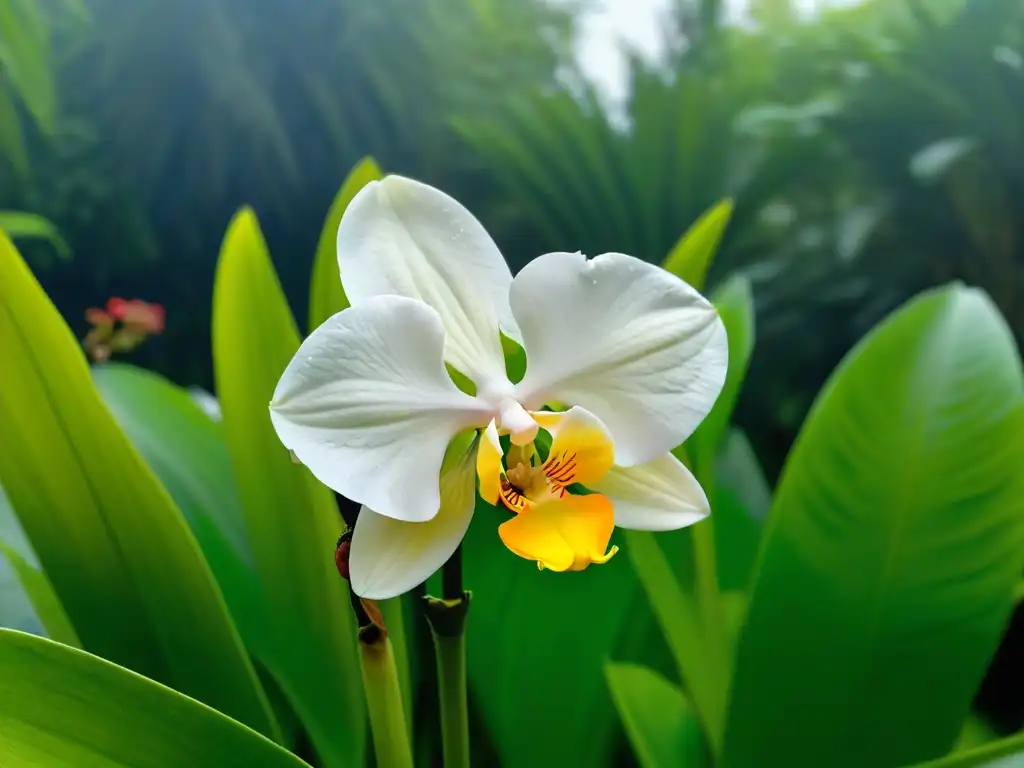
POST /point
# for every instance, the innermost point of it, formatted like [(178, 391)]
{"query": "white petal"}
[(661, 495), (367, 405), (405, 238), (633, 344), (390, 557)]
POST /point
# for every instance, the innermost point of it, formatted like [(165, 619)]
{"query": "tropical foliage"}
[(847, 188)]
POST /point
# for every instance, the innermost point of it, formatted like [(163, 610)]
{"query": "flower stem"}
[(384, 698), (447, 619)]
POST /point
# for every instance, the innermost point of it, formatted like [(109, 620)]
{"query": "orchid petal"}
[(401, 237), (628, 341), (390, 557), (367, 405), (488, 464), (566, 534), (661, 495), (581, 449)]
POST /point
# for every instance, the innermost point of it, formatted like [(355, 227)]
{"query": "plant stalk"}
[(384, 698), (447, 619)]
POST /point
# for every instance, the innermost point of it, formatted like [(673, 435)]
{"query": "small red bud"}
[(341, 555)]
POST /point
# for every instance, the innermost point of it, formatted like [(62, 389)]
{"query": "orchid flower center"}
[(560, 529)]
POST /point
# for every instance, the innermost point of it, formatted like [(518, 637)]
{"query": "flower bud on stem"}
[(447, 619)]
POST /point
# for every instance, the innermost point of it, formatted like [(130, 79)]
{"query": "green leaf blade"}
[(61, 706), (326, 294), (892, 550), (110, 539), (662, 728), (292, 521), (691, 256), (186, 450)]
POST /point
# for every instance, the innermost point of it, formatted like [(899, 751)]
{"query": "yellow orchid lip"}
[(559, 530), (563, 534)]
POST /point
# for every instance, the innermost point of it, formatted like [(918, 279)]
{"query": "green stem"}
[(451, 686), (447, 619), (384, 699)]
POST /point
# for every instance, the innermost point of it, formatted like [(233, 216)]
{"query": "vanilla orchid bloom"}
[(368, 404)]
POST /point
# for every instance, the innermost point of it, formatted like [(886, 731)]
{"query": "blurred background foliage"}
[(870, 151), (887, 127)]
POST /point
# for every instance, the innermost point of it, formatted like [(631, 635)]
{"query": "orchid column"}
[(624, 360)]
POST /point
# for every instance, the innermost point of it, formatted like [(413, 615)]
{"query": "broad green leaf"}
[(21, 225), (691, 256), (735, 305), (326, 294), (537, 641), (292, 521), (891, 554), (186, 450), (62, 706), (662, 728), (111, 541)]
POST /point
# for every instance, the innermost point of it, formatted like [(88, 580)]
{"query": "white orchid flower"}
[(368, 404)]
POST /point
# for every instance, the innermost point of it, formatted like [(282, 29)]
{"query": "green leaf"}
[(536, 643), (735, 305), (1004, 753), (27, 599), (326, 294), (291, 519), (186, 450), (680, 618), (691, 256), (742, 498), (662, 728), (21, 225), (116, 549), (892, 550), (62, 706), (976, 731), (43, 600), (738, 470)]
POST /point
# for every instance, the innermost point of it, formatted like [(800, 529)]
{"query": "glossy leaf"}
[(291, 520), (892, 550), (663, 730), (536, 643), (326, 294), (690, 258), (62, 706), (186, 450), (116, 549)]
